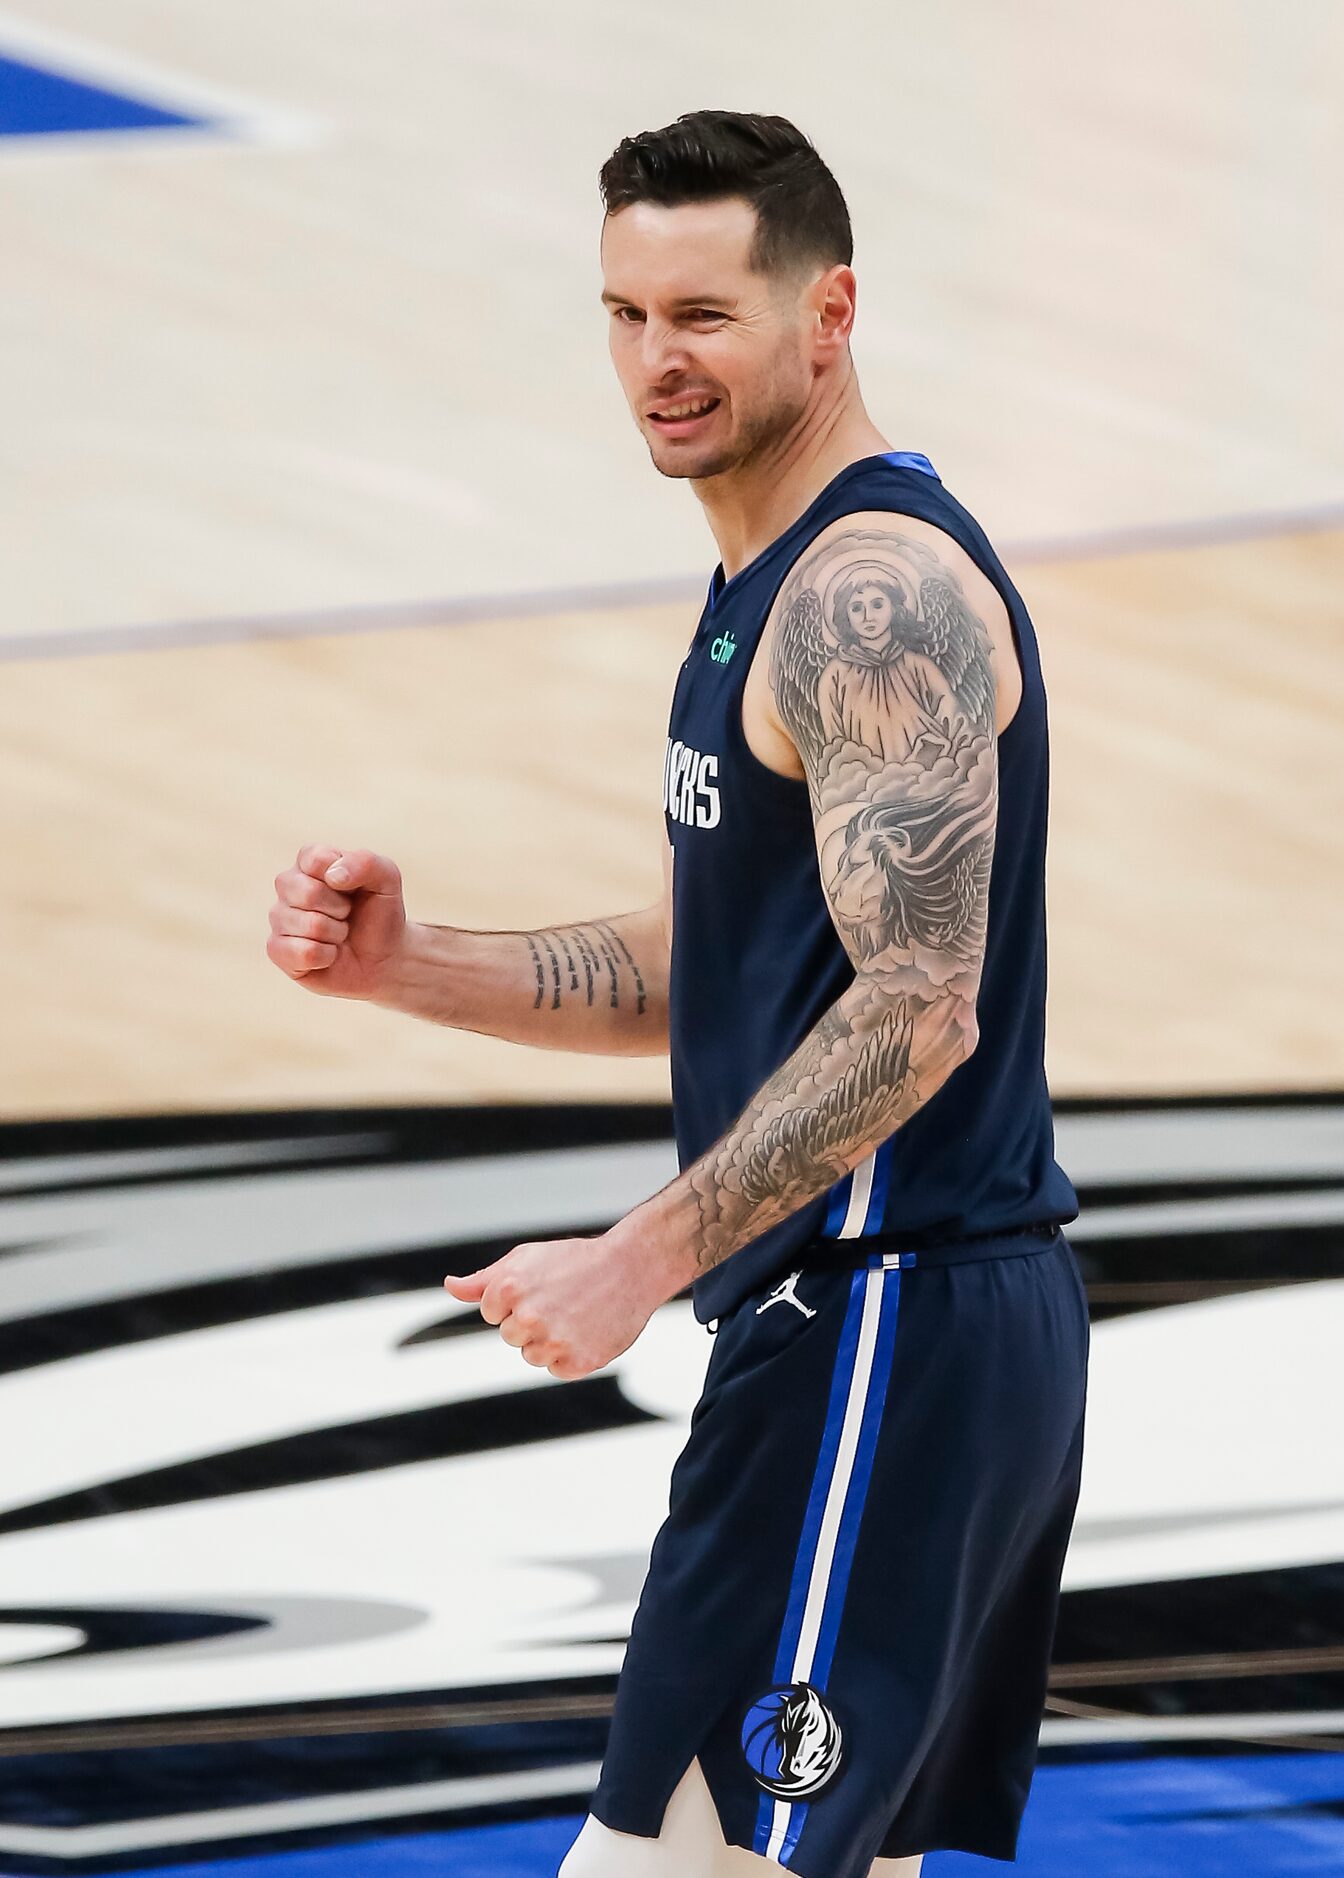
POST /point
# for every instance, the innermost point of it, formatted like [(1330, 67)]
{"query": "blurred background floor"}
[(512, 768)]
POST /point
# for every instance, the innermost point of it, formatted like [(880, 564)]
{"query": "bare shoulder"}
[(870, 580)]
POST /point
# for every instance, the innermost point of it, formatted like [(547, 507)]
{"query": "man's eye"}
[(701, 313), (633, 312)]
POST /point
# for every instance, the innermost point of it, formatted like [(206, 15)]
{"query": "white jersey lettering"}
[(691, 787)]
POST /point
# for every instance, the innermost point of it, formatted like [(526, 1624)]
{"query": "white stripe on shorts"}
[(822, 1560)]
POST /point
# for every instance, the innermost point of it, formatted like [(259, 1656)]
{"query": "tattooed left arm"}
[(881, 678)]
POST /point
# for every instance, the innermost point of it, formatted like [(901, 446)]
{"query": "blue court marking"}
[(531, 1848), (35, 101), (1104, 1819), (1267, 1816)]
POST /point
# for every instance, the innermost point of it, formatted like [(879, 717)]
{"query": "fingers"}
[(567, 1369), (488, 1289), (521, 1328), (528, 1337), (316, 858), (308, 923), (292, 922), (494, 1308), (323, 878), (297, 956), (514, 1334), (302, 892), (498, 1291), (544, 1354), (356, 869), (469, 1288), (523, 1331)]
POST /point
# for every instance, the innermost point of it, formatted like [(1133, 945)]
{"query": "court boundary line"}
[(226, 116), (599, 597), (161, 1832)]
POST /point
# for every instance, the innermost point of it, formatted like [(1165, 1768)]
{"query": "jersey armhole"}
[(997, 576), (774, 778), (1015, 637)]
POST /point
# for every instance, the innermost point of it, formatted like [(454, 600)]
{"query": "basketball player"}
[(839, 1657)]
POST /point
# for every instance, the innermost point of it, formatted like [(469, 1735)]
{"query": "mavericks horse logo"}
[(792, 1741)]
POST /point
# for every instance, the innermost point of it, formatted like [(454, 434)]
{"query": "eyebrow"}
[(682, 300)]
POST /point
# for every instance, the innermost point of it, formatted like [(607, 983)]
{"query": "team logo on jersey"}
[(792, 1741), (690, 786), (723, 648)]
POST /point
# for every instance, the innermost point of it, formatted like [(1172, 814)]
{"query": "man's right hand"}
[(338, 925)]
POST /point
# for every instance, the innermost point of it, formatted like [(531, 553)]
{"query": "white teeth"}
[(688, 410)]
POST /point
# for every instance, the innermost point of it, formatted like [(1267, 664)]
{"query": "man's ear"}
[(834, 297)]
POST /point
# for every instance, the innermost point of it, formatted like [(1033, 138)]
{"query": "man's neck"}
[(750, 507)]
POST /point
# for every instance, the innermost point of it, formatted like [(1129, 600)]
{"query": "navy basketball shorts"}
[(850, 1607)]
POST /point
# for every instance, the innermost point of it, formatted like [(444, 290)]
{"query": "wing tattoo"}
[(795, 1142), (797, 662), (951, 635)]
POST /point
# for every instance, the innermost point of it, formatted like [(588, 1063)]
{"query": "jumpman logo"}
[(784, 1294)]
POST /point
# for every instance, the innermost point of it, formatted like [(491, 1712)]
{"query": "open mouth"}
[(679, 420)]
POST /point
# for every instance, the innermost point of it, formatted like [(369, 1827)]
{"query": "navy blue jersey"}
[(756, 959)]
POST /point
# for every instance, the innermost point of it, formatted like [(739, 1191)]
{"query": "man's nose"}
[(664, 349)]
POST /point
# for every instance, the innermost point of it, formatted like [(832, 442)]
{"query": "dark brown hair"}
[(801, 218)]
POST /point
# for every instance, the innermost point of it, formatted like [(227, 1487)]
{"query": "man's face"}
[(713, 358), (869, 615)]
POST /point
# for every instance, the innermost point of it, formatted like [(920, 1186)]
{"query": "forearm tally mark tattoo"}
[(610, 971)]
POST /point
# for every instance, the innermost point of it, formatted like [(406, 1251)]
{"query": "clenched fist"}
[(338, 925), (572, 1305)]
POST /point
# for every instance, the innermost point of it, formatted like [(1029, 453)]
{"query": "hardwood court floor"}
[(512, 768), (249, 373)]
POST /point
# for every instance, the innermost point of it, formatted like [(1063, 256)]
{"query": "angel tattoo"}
[(880, 666)]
